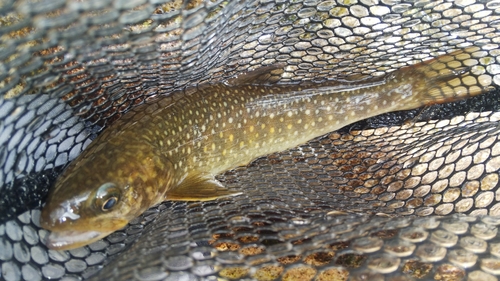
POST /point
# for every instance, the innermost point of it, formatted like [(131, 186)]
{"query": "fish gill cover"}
[(400, 196)]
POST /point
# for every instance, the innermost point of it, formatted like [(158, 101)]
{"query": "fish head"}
[(100, 193)]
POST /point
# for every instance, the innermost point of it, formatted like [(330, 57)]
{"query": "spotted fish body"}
[(170, 149)]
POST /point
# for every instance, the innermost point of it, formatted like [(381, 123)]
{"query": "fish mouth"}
[(67, 240)]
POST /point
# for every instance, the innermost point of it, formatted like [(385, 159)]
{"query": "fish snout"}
[(54, 217)]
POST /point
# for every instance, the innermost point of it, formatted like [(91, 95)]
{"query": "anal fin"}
[(196, 187)]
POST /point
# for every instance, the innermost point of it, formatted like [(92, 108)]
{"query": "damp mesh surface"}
[(407, 195)]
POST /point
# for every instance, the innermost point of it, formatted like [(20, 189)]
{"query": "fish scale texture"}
[(403, 196)]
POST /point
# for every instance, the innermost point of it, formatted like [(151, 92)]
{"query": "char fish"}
[(172, 148)]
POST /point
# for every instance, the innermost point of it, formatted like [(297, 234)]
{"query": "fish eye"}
[(107, 196), (110, 203)]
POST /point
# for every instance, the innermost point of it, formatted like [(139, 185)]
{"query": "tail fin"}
[(446, 78)]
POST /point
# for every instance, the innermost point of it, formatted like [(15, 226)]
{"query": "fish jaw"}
[(67, 240)]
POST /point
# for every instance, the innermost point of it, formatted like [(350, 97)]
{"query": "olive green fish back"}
[(395, 197)]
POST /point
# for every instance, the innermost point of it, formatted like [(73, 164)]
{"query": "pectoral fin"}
[(199, 188)]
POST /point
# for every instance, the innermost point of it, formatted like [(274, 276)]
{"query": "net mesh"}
[(402, 196)]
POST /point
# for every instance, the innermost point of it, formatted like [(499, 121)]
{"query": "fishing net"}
[(403, 196)]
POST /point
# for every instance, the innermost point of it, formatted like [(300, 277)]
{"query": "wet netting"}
[(403, 196)]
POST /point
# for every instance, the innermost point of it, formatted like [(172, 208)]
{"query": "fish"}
[(172, 148)]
